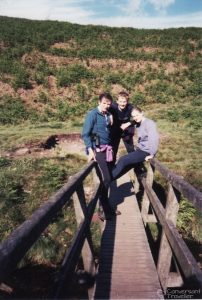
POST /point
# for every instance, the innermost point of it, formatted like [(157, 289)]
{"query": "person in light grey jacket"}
[(147, 147)]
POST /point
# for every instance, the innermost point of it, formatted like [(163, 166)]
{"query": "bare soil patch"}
[(54, 145)]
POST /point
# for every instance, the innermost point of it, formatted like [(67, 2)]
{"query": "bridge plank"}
[(126, 267)]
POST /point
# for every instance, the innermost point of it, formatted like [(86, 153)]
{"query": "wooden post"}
[(97, 179), (145, 202), (134, 180), (165, 252), (87, 250)]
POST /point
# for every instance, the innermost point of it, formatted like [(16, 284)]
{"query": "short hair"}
[(123, 94), (137, 109), (105, 95)]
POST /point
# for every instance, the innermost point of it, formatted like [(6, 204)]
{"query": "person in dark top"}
[(97, 138), (121, 112)]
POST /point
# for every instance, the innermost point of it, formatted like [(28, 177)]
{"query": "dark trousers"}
[(127, 162), (128, 143), (105, 168)]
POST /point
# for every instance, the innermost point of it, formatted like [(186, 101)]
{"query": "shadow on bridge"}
[(103, 280)]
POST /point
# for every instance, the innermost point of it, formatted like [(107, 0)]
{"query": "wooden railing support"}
[(80, 208), (81, 214), (134, 180), (146, 216), (165, 252), (180, 250), (72, 255), (172, 247), (186, 189)]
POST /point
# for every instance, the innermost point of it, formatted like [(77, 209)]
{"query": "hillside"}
[(53, 71), (51, 74), (48, 68)]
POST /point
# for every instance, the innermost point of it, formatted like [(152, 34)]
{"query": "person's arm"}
[(153, 139), (86, 135), (111, 117), (125, 125)]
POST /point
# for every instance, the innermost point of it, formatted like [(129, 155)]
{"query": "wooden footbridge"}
[(128, 267)]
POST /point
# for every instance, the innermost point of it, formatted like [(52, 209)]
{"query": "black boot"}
[(105, 214), (115, 212)]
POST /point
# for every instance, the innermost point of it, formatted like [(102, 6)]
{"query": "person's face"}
[(122, 102), (137, 116), (104, 104)]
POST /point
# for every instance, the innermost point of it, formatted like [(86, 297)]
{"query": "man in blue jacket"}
[(97, 138)]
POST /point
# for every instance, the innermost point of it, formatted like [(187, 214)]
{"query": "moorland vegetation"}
[(51, 74)]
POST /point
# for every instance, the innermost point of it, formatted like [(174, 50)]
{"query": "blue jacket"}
[(97, 123)]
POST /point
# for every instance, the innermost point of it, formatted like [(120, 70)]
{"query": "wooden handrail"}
[(171, 241), (20, 241), (187, 190), (73, 253), (184, 257)]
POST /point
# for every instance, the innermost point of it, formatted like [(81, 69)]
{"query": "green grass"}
[(180, 143), (12, 137), (25, 184), (180, 150)]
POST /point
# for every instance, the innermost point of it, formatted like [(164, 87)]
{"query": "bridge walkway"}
[(126, 267)]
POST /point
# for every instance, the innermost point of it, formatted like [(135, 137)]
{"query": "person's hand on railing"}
[(91, 154), (147, 158)]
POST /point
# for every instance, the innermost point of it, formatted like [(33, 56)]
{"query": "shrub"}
[(42, 70), (195, 124), (162, 98), (173, 115), (6, 64), (43, 97), (4, 162), (138, 98), (113, 78), (195, 89), (131, 79), (186, 113), (72, 74), (52, 177), (39, 78), (21, 79), (186, 216), (197, 102), (63, 111), (48, 114), (34, 116), (12, 111), (82, 92)]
